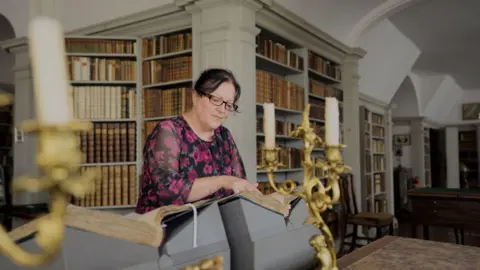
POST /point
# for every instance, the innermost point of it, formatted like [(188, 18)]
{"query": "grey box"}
[(261, 239), (83, 250)]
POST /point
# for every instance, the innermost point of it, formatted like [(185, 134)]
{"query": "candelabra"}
[(215, 263), (58, 158), (58, 153), (318, 197)]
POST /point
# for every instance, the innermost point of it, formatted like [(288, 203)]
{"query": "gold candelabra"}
[(58, 157), (58, 152), (318, 197)]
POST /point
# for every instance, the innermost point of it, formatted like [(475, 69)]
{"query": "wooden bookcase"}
[(103, 75), (373, 157), (290, 76), (426, 146)]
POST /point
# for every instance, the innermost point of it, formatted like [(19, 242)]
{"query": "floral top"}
[(174, 156)]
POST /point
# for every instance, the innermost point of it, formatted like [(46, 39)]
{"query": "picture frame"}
[(402, 139), (471, 111)]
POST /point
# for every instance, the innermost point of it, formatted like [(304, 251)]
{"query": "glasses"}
[(219, 102)]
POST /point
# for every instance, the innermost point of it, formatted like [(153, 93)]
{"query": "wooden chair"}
[(351, 216)]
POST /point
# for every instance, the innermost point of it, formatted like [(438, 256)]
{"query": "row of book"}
[(109, 142), (116, 187), (100, 46), (324, 66), (289, 156), (104, 102), (284, 94), (165, 44), (278, 52), (167, 70), (167, 102), (101, 69)]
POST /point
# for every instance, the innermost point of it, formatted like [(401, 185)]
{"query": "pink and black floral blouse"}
[(174, 156)]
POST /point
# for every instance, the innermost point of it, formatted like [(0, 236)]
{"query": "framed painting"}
[(470, 111)]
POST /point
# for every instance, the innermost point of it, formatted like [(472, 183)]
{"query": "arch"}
[(6, 60), (376, 15), (406, 102), (6, 29)]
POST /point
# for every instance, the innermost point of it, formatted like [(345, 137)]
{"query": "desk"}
[(391, 252), (443, 207)]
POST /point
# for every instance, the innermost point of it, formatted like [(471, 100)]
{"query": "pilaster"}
[(453, 165), (418, 149), (25, 145), (48, 8), (224, 36), (351, 122)]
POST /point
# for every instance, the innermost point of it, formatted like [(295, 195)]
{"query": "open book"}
[(147, 228)]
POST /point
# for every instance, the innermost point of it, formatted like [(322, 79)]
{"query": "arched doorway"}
[(6, 122)]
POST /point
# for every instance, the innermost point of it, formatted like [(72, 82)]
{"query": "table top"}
[(391, 252), (445, 192)]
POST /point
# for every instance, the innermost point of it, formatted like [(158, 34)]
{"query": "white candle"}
[(269, 124), (332, 122), (54, 101)]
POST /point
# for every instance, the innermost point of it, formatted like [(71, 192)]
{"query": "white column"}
[(224, 36), (44, 8), (451, 146), (351, 120)]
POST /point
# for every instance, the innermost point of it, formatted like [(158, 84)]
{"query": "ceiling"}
[(447, 33)]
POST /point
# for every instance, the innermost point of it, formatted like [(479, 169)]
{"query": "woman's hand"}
[(239, 185)]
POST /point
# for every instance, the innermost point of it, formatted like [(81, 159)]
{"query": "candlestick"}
[(318, 195), (332, 122), (58, 152), (47, 53), (269, 124)]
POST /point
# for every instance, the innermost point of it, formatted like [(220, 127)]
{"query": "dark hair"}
[(211, 79)]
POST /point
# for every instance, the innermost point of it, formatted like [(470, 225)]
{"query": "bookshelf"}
[(373, 160), (166, 77), (291, 76), (468, 156), (6, 159), (103, 81), (426, 146)]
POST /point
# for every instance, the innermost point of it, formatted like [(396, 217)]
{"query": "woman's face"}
[(211, 109)]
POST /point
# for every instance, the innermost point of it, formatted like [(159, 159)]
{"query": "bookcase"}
[(468, 157), (166, 77), (373, 157), (103, 76), (6, 160), (426, 146), (291, 76)]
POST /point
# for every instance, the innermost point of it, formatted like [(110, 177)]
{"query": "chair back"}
[(347, 194)]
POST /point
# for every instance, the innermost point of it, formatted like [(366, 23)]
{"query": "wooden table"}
[(444, 207), (391, 252)]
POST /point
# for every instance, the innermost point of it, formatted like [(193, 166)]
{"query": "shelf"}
[(275, 67), (165, 84), (320, 77), (103, 83), (102, 55), (280, 111), (168, 55)]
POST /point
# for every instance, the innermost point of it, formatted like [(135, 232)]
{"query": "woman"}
[(192, 156)]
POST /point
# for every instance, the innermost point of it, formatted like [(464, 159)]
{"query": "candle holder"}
[(215, 263), (58, 157), (318, 197)]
